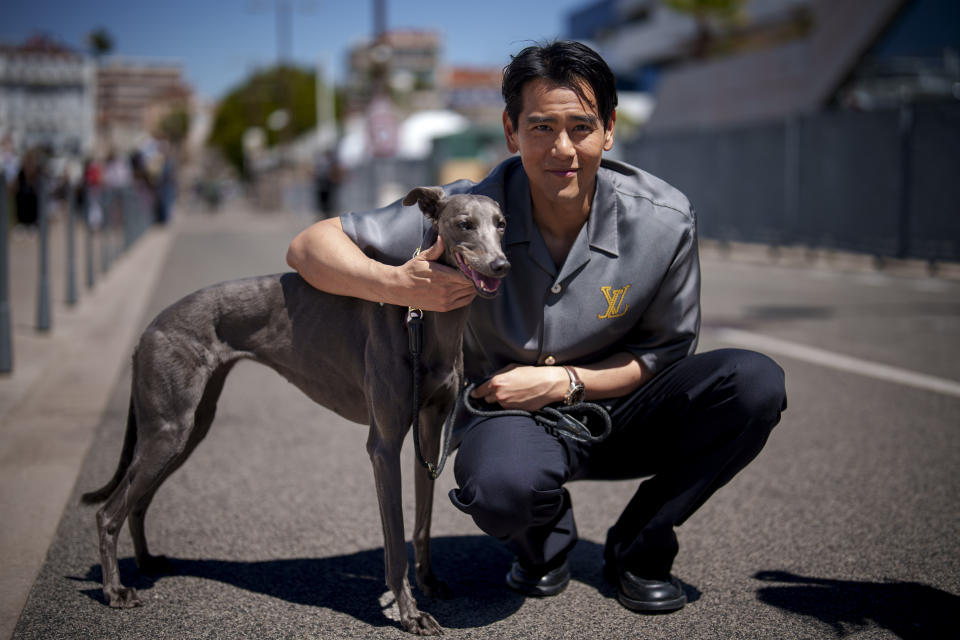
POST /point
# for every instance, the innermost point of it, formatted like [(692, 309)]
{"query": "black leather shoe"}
[(538, 581), (644, 595)]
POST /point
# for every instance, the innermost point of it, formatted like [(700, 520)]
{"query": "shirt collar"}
[(601, 229)]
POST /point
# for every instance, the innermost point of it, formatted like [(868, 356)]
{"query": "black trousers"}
[(688, 431)]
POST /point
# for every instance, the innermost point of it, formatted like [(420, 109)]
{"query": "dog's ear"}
[(429, 199)]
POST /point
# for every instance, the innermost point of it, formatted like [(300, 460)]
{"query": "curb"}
[(52, 404)]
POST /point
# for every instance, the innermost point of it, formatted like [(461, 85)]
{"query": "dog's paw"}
[(422, 624), (122, 597)]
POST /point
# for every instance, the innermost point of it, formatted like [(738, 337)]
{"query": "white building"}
[(47, 97)]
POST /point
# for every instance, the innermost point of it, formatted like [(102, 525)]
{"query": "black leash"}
[(415, 336), (557, 420)]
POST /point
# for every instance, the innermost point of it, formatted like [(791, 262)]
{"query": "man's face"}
[(561, 139)]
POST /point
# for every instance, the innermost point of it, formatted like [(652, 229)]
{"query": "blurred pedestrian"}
[(327, 177), (117, 177), (28, 184), (602, 302), (166, 186), (92, 182), (144, 188), (116, 173), (9, 161)]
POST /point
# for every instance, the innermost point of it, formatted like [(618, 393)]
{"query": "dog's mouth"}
[(486, 286)]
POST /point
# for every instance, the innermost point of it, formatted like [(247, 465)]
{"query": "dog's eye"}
[(501, 225), (466, 225)]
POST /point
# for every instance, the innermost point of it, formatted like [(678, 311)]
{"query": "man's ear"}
[(608, 132), (429, 199), (510, 133)]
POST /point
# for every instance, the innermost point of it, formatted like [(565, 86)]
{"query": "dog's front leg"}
[(385, 456), (431, 424)]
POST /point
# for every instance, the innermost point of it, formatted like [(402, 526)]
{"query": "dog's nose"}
[(499, 267)]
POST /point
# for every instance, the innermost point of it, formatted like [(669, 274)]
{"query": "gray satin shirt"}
[(631, 281)]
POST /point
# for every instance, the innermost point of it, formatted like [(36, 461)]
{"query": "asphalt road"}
[(846, 525)]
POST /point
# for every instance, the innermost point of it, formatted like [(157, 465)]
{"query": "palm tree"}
[(100, 42)]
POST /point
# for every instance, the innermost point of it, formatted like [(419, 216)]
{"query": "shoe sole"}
[(665, 606)]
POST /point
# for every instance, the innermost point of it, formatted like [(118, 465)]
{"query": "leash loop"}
[(556, 420)]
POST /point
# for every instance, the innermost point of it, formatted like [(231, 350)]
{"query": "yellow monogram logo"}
[(615, 305)]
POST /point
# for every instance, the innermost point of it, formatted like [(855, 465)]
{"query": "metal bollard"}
[(6, 327), (71, 249), (129, 211), (44, 320), (107, 204), (89, 243)]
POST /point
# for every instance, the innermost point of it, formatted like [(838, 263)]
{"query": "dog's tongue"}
[(482, 282), (486, 283)]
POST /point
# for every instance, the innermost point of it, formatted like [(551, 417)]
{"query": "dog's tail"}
[(126, 455)]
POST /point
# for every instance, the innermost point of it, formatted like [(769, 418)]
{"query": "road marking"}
[(825, 358), (931, 285)]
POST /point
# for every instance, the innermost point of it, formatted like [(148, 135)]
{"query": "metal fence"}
[(127, 213), (885, 183)]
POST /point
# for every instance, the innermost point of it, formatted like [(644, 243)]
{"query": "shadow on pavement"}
[(910, 610), (473, 567)]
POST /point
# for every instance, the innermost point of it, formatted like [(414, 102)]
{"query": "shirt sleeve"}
[(390, 234), (670, 326)]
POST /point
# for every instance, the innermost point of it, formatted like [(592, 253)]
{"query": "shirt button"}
[(556, 288), (550, 360)]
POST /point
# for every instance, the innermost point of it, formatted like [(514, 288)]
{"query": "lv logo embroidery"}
[(615, 302)]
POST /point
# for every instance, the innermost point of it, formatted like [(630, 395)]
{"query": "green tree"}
[(175, 124), (705, 11), (250, 104)]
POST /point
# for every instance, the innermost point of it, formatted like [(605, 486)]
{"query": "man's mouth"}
[(563, 173), (486, 285)]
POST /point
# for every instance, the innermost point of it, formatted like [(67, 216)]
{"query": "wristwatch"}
[(577, 390)]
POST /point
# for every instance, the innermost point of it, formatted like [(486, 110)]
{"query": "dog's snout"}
[(499, 267)]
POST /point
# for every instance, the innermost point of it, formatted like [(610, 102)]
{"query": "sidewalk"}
[(60, 384)]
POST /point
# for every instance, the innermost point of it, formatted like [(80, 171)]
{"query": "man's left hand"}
[(524, 387)]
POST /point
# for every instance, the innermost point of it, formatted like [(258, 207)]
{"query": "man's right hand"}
[(432, 286), (330, 261)]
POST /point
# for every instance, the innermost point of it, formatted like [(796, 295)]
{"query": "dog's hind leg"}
[(203, 418), (152, 460), (146, 562), (385, 456)]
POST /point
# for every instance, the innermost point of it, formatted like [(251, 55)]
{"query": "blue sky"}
[(219, 41)]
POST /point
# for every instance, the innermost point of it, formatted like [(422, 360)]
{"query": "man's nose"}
[(563, 145)]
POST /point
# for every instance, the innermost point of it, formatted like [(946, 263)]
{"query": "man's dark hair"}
[(566, 63)]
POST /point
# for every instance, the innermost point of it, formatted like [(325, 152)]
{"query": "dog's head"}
[(472, 229)]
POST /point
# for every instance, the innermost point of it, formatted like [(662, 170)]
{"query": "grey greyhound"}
[(349, 355)]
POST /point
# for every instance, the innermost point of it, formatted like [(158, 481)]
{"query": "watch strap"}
[(577, 389)]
